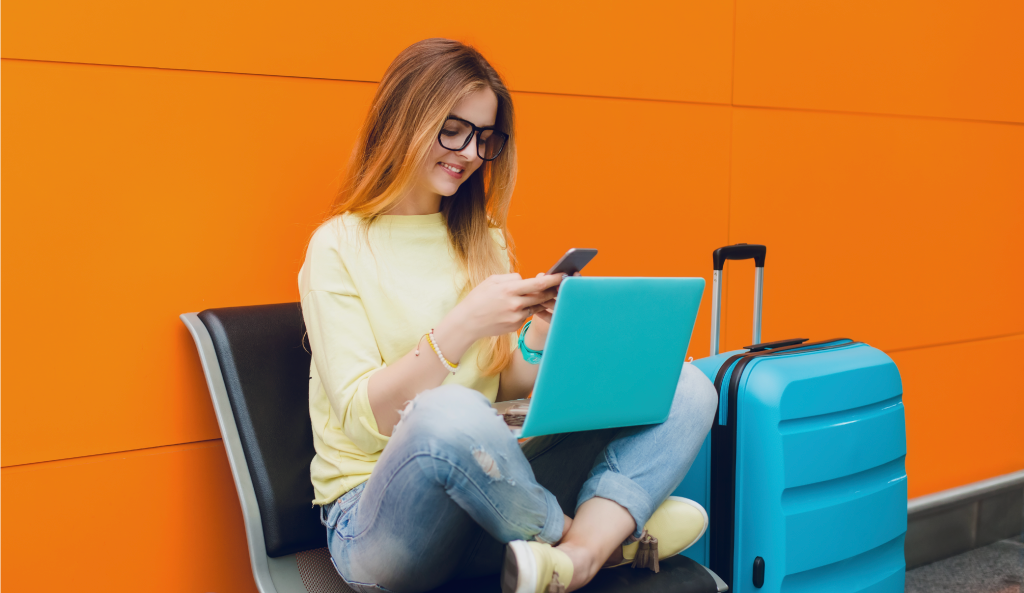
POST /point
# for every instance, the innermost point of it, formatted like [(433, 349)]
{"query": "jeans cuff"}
[(555, 522), (624, 491)]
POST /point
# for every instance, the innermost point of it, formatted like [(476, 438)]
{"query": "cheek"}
[(430, 167), (471, 169), (437, 153)]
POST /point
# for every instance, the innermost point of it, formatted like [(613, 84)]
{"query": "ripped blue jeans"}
[(453, 486)]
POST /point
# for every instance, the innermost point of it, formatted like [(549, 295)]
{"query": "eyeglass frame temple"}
[(476, 130)]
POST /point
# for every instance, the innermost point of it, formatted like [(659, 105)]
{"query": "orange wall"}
[(169, 157)]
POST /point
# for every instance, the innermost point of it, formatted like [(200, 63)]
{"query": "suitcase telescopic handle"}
[(736, 252)]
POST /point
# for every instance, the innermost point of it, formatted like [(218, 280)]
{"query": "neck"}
[(417, 202)]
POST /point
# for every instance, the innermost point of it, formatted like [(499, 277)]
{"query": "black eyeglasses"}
[(457, 133)]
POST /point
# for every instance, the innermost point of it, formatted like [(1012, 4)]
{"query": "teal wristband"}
[(530, 356)]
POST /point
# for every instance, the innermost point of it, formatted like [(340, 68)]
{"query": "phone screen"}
[(573, 261)]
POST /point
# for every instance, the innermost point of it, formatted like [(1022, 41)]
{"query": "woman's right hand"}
[(500, 305)]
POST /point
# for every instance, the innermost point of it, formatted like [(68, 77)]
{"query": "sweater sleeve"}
[(344, 349)]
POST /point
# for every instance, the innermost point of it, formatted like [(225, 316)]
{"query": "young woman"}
[(412, 307)]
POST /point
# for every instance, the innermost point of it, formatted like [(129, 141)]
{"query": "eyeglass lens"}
[(455, 135)]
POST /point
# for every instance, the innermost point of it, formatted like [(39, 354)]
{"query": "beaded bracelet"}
[(450, 366), (529, 355)]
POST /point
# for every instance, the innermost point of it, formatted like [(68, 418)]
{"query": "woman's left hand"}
[(542, 320), (517, 381)]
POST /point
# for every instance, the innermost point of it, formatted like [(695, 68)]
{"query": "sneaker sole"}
[(519, 574)]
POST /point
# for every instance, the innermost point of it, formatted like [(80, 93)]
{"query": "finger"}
[(503, 278), (537, 284), (545, 315), (534, 310), (536, 298), (542, 274), (549, 304), (545, 281)]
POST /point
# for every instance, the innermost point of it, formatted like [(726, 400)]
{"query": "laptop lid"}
[(614, 353)]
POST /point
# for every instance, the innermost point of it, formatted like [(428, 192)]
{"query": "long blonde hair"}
[(419, 90)]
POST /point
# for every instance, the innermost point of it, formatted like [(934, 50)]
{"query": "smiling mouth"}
[(452, 170)]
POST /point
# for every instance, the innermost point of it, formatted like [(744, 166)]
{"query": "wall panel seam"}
[(228, 72), (955, 343), (732, 58), (112, 453), (875, 114), (621, 98), (724, 311), (136, 67)]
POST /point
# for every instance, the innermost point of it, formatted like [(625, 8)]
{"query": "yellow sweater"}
[(366, 305)]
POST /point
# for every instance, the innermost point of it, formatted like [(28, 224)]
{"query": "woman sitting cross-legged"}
[(412, 307)]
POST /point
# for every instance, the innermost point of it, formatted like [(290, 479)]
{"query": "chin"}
[(447, 189)]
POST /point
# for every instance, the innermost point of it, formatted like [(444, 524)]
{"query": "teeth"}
[(451, 168)]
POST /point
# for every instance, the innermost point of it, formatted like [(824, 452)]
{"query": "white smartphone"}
[(573, 261)]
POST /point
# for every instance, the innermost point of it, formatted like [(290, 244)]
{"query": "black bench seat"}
[(256, 361)]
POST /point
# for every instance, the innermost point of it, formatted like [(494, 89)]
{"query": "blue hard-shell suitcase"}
[(803, 473)]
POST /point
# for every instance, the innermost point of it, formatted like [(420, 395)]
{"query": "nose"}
[(469, 151)]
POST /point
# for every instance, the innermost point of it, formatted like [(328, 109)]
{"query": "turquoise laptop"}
[(614, 353)]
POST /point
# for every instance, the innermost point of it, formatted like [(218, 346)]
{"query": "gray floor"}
[(996, 568)]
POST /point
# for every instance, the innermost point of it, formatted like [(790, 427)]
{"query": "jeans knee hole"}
[(486, 463)]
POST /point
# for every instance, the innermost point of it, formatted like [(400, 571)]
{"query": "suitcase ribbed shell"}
[(821, 489), (821, 485)]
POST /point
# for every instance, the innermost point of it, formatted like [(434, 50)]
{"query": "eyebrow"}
[(453, 116)]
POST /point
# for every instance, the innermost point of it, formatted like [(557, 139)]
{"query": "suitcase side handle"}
[(739, 251)]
